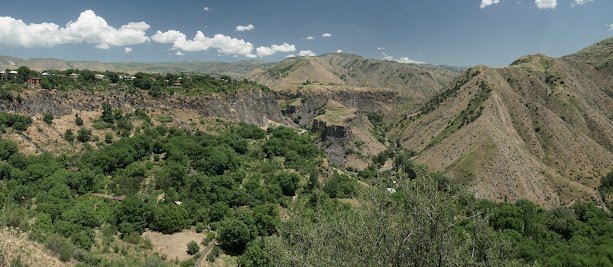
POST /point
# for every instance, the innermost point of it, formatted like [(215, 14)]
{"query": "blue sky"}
[(454, 32)]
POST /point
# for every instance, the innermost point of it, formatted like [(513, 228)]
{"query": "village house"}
[(99, 77), (74, 75), (32, 82)]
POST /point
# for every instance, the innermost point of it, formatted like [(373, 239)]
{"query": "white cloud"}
[(326, 35), (610, 27), (581, 2), (380, 48), (168, 37), (263, 51), (486, 3), (546, 4), (224, 44), (206, 8), (339, 51), (179, 53), (405, 60), (306, 53), (290, 55), (127, 50), (249, 27), (308, 38), (88, 28)]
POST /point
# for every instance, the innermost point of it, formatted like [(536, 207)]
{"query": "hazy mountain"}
[(541, 128), (343, 70), (238, 69)]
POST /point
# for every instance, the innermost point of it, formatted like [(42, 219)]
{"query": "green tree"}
[(7, 149), (234, 234), (255, 256), (169, 218), (79, 121), (23, 73), (107, 113)]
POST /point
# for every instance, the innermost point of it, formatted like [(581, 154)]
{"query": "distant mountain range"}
[(237, 69), (349, 70)]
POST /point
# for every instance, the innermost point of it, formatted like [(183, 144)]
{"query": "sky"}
[(451, 32)]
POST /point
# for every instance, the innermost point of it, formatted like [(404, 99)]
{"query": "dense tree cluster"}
[(227, 182)]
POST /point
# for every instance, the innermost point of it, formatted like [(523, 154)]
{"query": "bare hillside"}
[(344, 70), (540, 129)]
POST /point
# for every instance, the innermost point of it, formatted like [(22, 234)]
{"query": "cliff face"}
[(305, 106), (252, 106)]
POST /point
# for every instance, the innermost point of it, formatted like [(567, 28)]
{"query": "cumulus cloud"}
[(179, 53), (263, 51), (306, 53), (88, 28), (380, 48), (546, 4), (339, 51), (610, 27), (326, 35), (127, 50), (308, 38), (224, 44), (249, 27), (206, 8), (290, 55), (405, 60), (486, 3)]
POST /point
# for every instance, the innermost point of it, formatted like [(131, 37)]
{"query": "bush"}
[(60, 246), (210, 236), (199, 227), (214, 254), (192, 248), (341, 186), (79, 121), (84, 135), (69, 135), (48, 118), (108, 138)]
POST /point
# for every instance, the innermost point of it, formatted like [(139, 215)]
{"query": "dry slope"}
[(540, 129), (348, 70)]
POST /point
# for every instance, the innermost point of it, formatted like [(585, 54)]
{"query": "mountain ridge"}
[(541, 128)]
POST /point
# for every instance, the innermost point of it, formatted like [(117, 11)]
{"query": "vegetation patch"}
[(471, 113)]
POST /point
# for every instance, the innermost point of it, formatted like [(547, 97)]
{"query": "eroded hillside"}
[(540, 129)]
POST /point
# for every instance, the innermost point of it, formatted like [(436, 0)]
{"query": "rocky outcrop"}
[(312, 104)]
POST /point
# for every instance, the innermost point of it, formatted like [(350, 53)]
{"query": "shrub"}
[(192, 248), (48, 118), (84, 135), (199, 227), (209, 237), (60, 246), (79, 121), (214, 254), (69, 135), (108, 138)]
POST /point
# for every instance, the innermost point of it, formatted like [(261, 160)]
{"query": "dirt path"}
[(205, 252)]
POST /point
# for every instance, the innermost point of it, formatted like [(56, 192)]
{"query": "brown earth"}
[(174, 246), (540, 129), (14, 245)]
